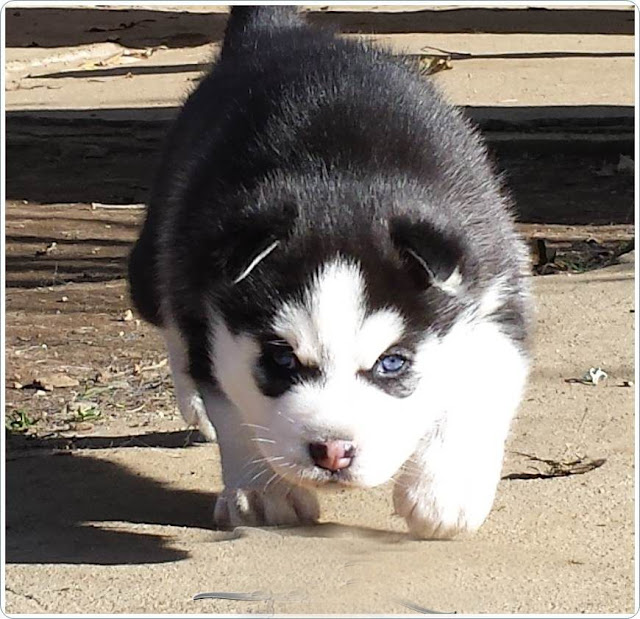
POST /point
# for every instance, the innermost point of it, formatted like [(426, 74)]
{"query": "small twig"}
[(154, 366), (95, 205), (447, 52), (136, 409), (27, 596), (423, 610), (558, 469), (254, 596)]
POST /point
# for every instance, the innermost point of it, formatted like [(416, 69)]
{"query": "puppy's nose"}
[(332, 455)]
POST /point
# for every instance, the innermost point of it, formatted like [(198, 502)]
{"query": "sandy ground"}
[(109, 494), (96, 505)]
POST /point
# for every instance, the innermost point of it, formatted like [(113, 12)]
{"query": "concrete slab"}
[(127, 59), (558, 545)]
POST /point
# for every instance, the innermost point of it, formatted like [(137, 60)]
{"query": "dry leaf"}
[(49, 382), (428, 65), (47, 250)]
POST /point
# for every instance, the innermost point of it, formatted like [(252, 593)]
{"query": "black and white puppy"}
[(335, 270)]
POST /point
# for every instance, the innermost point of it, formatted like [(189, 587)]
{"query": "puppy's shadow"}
[(55, 505)]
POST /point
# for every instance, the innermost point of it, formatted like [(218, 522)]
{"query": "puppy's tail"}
[(245, 22)]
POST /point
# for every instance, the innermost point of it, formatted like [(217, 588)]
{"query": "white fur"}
[(330, 328), (452, 285), (449, 433), (379, 331), (253, 494), (475, 376), (493, 298), (189, 400)]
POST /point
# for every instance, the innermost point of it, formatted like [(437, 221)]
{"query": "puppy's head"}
[(325, 346)]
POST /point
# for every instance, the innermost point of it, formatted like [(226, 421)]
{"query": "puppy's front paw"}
[(281, 504), (433, 512)]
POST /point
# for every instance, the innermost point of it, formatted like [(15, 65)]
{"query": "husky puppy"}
[(334, 267)]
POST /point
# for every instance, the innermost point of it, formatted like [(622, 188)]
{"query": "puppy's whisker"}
[(266, 459), (259, 439), (259, 474), (246, 466), (255, 425), (271, 479), (286, 417)]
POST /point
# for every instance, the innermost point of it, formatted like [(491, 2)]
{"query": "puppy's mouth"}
[(316, 476)]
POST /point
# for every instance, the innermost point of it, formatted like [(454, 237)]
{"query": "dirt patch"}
[(67, 305)]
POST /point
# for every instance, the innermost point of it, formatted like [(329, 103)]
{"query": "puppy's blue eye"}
[(285, 359), (389, 365)]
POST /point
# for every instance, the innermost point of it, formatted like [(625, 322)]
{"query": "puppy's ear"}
[(252, 237), (431, 255)]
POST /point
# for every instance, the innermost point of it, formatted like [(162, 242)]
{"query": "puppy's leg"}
[(188, 397), (254, 494), (449, 484)]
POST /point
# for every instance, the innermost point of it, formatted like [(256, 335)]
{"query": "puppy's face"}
[(331, 390)]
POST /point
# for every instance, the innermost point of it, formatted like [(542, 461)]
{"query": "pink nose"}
[(332, 455)]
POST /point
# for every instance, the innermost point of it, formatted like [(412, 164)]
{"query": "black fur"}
[(332, 147), (274, 380)]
